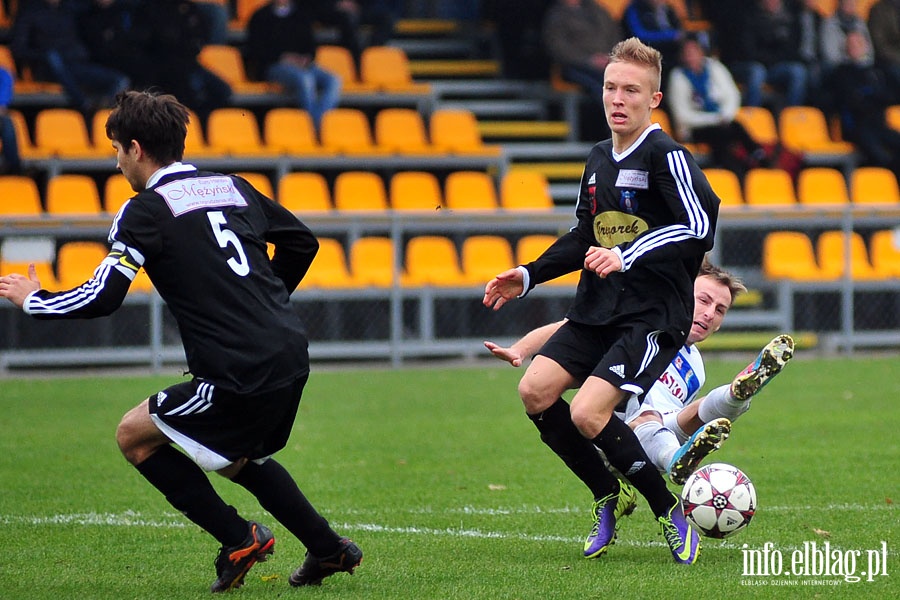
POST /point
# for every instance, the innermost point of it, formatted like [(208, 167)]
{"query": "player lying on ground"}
[(676, 429)]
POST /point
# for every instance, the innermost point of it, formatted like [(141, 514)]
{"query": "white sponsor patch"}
[(185, 195), (632, 178)]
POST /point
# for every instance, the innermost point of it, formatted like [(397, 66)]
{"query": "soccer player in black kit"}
[(202, 239), (645, 217)]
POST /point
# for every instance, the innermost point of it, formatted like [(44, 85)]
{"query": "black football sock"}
[(624, 452), (579, 454), (277, 492), (189, 490)]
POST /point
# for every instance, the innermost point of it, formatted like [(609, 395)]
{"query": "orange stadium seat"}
[(790, 255), (432, 261), (769, 188), (226, 61), (73, 194), (832, 256), (359, 191), (260, 181), (484, 256), (290, 131), (347, 131), (387, 69), (759, 123), (822, 185), (63, 132), (521, 189), (470, 190), (76, 262), (726, 185), (529, 247), (456, 132), (339, 60), (116, 191), (304, 192), (20, 197), (329, 267), (235, 132), (372, 262), (401, 131), (884, 250), (874, 185), (415, 190)]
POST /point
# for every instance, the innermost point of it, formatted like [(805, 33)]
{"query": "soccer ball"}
[(719, 500)]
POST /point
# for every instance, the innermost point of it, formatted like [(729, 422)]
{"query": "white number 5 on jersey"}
[(225, 236)]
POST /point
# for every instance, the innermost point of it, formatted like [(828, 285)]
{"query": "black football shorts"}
[(215, 427)]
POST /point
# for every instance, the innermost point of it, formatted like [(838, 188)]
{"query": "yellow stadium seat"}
[(790, 255), (116, 191), (359, 191), (387, 69), (339, 61), (290, 131), (27, 149), (884, 250), (73, 194), (759, 123), (141, 283), (243, 10), (484, 257), (76, 262), (226, 61), (401, 131), (304, 192), (726, 185), (432, 261), (522, 189), (892, 115), (63, 132), (470, 190), (347, 131), (456, 132), (804, 129), (831, 255), (20, 197), (529, 247), (43, 269), (329, 267), (102, 144), (372, 262), (822, 185), (415, 190), (260, 181), (769, 188), (874, 185), (195, 145), (235, 132)]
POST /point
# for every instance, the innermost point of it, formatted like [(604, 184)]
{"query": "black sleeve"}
[(295, 244)]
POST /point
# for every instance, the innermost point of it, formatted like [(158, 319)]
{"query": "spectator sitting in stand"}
[(656, 23), (349, 16), (9, 147), (884, 27), (113, 40)]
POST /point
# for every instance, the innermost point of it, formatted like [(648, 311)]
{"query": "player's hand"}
[(15, 287), (503, 288), (508, 354), (602, 261)]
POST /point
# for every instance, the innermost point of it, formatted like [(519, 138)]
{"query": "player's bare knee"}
[(646, 417), (535, 398)]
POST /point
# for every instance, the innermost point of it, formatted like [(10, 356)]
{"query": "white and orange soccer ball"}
[(719, 499)]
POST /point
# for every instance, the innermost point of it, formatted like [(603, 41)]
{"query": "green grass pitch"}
[(443, 482)]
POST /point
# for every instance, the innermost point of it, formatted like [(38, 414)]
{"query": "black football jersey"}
[(654, 207), (202, 239)]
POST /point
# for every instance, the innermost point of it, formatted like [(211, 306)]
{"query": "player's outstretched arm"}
[(503, 288), (526, 347), (15, 287)]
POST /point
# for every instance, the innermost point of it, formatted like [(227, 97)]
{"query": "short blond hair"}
[(734, 284), (633, 50)]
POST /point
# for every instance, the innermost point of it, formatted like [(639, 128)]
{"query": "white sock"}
[(658, 442), (720, 403), (671, 422)]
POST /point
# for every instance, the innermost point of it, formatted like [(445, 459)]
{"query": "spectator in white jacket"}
[(704, 100)]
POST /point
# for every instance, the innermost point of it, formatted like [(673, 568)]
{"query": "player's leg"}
[(706, 440), (770, 361), (657, 440)]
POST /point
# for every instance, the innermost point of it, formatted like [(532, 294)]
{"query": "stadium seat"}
[(759, 123), (290, 131), (304, 192), (789, 255), (226, 61), (359, 191), (26, 83), (76, 262), (339, 60), (20, 197), (260, 181), (470, 190), (726, 185), (27, 149), (243, 10), (432, 261), (195, 145), (804, 129), (529, 247), (415, 191), (831, 255), (767, 188), (102, 144), (347, 131), (235, 132), (387, 69), (456, 131), (62, 132), (884, 250), (372, 262), (329, 267), (522, 189), (892, 115), (43, 268), (822, 186), (73, 195), (484, 256), (116, 191), (401, 131), (874, 185)]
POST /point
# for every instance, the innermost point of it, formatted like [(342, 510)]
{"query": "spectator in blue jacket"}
[(9, 146)]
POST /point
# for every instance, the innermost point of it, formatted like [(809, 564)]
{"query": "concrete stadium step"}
[(437, 68), (515, 108), (524, 130), (555, 171)]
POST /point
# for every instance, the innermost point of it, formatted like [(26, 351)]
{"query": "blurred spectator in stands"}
[(216, 13), (862, 95), (579, 35), (45, 39), (519, 25), (704, 100), (771, 56), (809, 25), (280, 47), (728, 19), (115, 40), (655, 23), (9, 147), (884, 27), (177, 31), (349, 16), (834, 30)]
